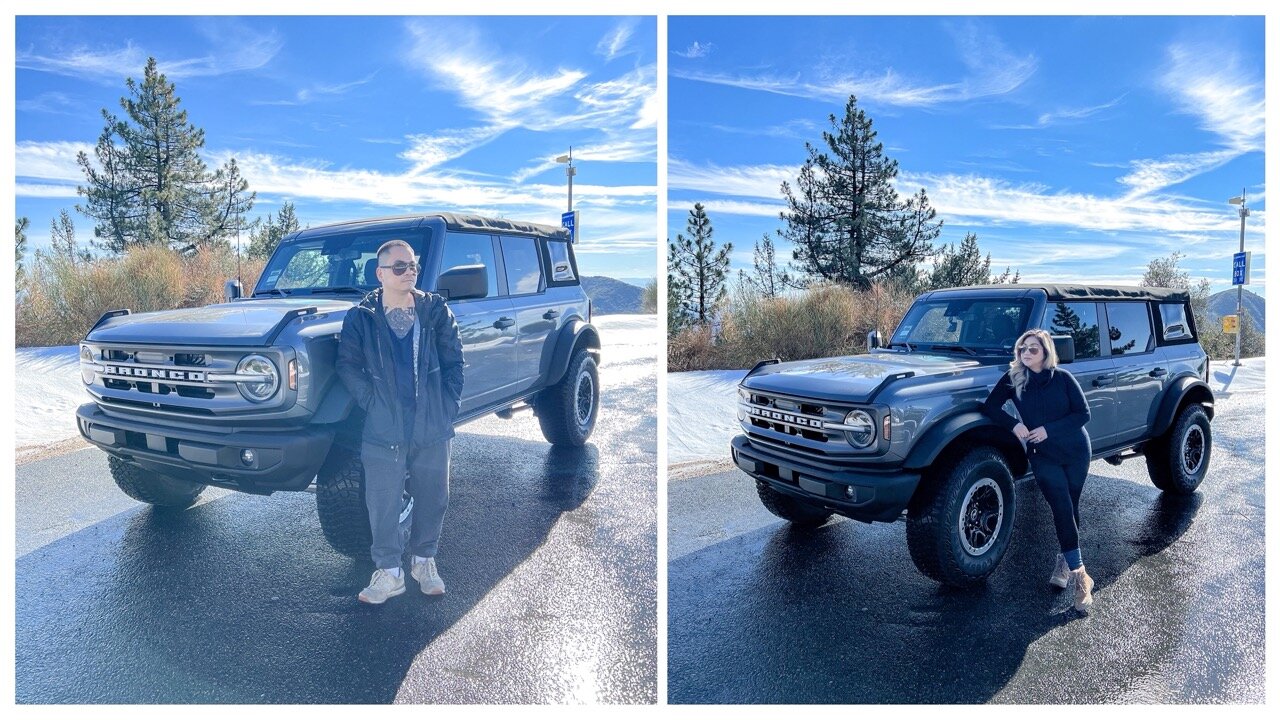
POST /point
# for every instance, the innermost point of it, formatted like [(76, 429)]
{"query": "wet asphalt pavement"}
[(549, 557), (761, 613)]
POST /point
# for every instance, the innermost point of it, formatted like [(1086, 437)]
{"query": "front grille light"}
[(860, 429), (264, 368)]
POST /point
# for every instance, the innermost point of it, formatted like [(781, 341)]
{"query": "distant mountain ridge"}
[(1224, 303), (610, 296)]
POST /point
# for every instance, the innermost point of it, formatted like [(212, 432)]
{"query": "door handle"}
[(551, 315), (504, 323), (1103, 380), (1158, 372)]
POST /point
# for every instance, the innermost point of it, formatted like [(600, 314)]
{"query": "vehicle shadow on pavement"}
[(840, 614), (240, 600)]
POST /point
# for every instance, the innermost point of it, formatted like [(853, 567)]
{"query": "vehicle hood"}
[(240, 323), (853, 378)]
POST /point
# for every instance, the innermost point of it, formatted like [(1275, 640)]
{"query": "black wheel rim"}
[(981, 516), (584, 398), (1193, 450)]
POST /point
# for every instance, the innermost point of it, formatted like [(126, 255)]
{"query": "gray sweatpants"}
[(426, 470)]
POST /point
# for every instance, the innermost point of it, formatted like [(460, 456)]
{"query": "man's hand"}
[(1037, 435), (1021, 432)]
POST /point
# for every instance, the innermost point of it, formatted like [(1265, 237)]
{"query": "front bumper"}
[(877, 495), (282, 461)]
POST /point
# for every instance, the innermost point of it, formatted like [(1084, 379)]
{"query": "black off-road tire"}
[(1178, 460), (162, 491), (344, 518), (961, 520), (567, 410), (794, 510)]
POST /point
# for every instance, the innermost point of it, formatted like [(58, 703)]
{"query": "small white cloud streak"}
[(621, 151), (993, 70), (755, 181), (695, 50), (317, 91), (615, 41), (248, 51), (50, 160)]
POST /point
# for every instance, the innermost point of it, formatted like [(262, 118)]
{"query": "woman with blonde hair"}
[(1050, 403)]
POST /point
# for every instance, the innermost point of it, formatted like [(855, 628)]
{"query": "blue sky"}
[(366, 116), (1076, 148)]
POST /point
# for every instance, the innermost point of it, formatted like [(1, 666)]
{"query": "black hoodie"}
[(1053, 400)]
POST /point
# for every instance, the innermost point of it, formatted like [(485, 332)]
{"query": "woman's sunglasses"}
[(1033, 349), (401, 268)]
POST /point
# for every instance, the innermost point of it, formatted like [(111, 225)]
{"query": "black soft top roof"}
[(1060, 292), (452, 221)]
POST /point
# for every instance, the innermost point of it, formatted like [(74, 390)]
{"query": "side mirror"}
[(232, 290), (873, 340), (464, 282), (1065, 345)]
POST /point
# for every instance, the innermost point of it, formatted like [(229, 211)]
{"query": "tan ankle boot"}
[(1083, 585)]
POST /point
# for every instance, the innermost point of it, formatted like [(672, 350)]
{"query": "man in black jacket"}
[(401, 358)]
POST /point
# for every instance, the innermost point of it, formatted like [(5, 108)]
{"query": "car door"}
[(535, 312), (487, 325), (1092, 368), (1140, 378)]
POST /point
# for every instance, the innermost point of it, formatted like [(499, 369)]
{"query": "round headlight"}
[(86, 363), (258, 365), (862, 428), (744, 393)]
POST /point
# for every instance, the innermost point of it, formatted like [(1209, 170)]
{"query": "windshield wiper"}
[(283, 292), (904, 343), (339, 289), (969, 350)]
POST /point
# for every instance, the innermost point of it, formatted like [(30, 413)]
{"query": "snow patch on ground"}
[(702, 413), (48, 387)]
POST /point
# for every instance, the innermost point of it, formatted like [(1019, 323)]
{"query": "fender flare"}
[(1180, 391), (576, 332), (939, 437)]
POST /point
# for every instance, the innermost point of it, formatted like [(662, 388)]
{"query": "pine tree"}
[(20, 246), (149, 184), (844, 218), (265, 238), (62, 238), (767, 279), (961, 268), (700, 266)]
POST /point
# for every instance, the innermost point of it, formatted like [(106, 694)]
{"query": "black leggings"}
[(1061, 485)]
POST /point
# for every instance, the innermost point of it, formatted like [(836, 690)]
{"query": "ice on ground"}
[(702, 414), (48, 388)]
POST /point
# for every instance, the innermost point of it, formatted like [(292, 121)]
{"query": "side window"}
[(471, 249), (561, 267), (1130, 327), (524, 272), (1080, 321), (1173, 322)]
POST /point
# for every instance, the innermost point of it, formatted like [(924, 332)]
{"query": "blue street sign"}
[(1240, 268), (569, 221)]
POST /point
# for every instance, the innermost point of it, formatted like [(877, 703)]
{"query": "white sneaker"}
[(1061, 573), (382, 585), (424, 572)]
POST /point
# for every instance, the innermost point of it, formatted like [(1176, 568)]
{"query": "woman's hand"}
[(1037, 435), (1021, 432)]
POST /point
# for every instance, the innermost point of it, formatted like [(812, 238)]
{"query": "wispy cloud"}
[(50, 161), (1061, 116), (695, 50), (752, 181), (111, 65), (317, 91), (427, 151), (615, 41), (992, 70), (623, 151), (48, 102)]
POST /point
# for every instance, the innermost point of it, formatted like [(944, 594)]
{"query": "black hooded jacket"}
[(1053, 400), (366, 366)]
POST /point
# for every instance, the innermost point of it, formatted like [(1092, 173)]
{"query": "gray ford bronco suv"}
[(244, 395), (900, 430)]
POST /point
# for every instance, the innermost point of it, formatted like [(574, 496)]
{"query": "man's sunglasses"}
[(401, 268)]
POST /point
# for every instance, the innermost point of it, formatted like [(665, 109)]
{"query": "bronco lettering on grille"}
[(786, 417), (155, 373)]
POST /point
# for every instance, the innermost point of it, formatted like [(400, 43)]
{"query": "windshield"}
[(334, 263), (974, 323)]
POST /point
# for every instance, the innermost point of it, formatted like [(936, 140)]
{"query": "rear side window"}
[(1173, 322), (1080, 321), (561, 266), (1130, 327), (524, 272), (471, 249)]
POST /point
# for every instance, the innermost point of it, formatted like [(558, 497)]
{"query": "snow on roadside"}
[(48, 388), (702, 415)]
